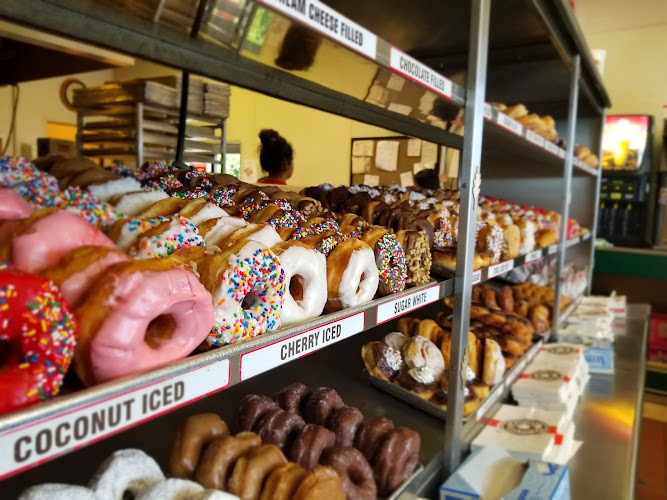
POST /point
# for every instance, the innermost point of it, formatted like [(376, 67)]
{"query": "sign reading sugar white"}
[(413, 69), (477, 277), (488, 111), (552, 148), (280, 352), (535, 138), (501, 268), (397, 307), (329, 22), (53, 436), (510, 124), (530, 257)]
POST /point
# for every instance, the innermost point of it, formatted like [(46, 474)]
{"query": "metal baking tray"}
[(397, 492)]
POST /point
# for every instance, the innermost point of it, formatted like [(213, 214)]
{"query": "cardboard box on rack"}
[(490, 473)]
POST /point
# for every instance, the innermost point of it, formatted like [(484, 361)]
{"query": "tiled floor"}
[(652, 466)]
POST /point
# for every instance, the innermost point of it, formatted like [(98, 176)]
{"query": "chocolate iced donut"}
[(395, 459), (320, 404), (354, 471), (279, 427), (344, 423), (251, 410), (370, 434), (293, 397), (309, 445)]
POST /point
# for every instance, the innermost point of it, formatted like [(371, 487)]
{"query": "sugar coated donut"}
[(305, 281), (175, 233), (195, 433), (12, 206), (53, 491), (170, 489), (125, 472), (252, 469), (216, 464), (138, 316), (39, 333), (248, 288), (352, 276), (39, 241), (251, 410), (354, 471), (283, 482), (79, 268), (310, 444)]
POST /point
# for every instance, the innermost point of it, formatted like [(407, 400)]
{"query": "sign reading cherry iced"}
[(32, 444)]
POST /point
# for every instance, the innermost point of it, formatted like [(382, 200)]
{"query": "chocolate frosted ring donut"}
[(310, 444), (344, 423), (194, 434), (320, 404), (251, 410), (278, 426), (293, 397), (395, 459), (354, 471), (370, 435)]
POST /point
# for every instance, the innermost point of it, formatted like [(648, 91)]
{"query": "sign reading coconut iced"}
[(329, 22), (413, 69), (397, 307), (34, 443)]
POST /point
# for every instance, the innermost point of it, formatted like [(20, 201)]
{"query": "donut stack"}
[(314, 427)]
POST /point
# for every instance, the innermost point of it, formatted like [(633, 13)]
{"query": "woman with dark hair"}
[(428, 179), (276, 157)]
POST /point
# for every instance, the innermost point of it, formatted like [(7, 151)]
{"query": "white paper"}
[(429, 153), (362, 148), (359, 164), (249, 172), (395, 82), (386, 156), (414, 147), (375, 94), (400, 108), (407, 179), (418, 167), (371, 180), (426, 102)]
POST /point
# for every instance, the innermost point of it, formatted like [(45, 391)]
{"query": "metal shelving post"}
[(594, 228), (567, 184), (469, 178)]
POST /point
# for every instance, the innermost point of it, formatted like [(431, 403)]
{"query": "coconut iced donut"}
[(352, 276), (247, 283), (305, 281), (125, 471), (53, 491), (140, 315), (175, 233)]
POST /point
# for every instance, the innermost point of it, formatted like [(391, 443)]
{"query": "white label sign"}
[(418, 72), (573, 241), (299, 345), (553, 249), (510, 124), (397, 307), (561, 152), (535, 138), (488, 111), (487, 404), (500, 268), (530, 257), (476, 276), (43, 440), (552, 148), (329, 22)]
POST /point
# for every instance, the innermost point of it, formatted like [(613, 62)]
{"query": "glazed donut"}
[(251, 410), (165, 312), (293, 397), (389, 259), (194, 434), (216, 464), (279, 427), (395, 459), (252, 469), (37, 242), (310, 444), (354, 471), (248, 288), (305, 281), (344, 423), (488, 297), (321, 482), (165, 238), (381, 360), (352, 276), (38, 334), (409, 327), (12, 206), (321, 403), (135, 202), (417, 256), (216, 230), (370, 434), (79, 268), (283, 482), (124, 474), (505, 300), (430, 330)]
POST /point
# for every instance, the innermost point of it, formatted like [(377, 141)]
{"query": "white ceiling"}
[(597, 16)]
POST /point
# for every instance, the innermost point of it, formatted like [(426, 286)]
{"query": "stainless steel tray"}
[(397, 492)]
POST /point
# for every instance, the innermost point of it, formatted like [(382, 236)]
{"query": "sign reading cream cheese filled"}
[(397, 307), (413, 69), (329, 22), (45, 439), (281, 352)]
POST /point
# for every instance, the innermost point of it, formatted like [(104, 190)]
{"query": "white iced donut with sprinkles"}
[(176, 233), (247, 283)]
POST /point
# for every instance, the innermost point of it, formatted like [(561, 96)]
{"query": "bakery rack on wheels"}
[(528, 51)]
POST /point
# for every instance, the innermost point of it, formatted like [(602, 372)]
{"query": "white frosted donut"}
[(352, 276), (106, 190), (175, 233), (126, 232), (262, 233), (305, 281), (126, 471), (171, 489), (247, 283), (52, 491), (206, 212), (216, 230), (136, 202)]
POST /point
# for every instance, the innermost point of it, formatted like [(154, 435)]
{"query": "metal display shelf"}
[(45, 431)]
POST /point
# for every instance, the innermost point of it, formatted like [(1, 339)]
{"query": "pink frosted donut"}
[(42, 239), (138, 316), (12, 206)]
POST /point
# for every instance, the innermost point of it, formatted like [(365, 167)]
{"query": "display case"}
[(460, 57)]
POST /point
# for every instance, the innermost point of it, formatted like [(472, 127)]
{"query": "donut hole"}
[(10, 352), (296, 287), (248, 301), (361, 280), (159, 329)]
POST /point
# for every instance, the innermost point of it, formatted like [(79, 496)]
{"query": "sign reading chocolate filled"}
[(298, 345), (329, 22), (413, 69), (45, 439), (398, 307)]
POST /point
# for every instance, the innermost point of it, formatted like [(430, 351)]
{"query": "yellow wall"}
[(635, 72)]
